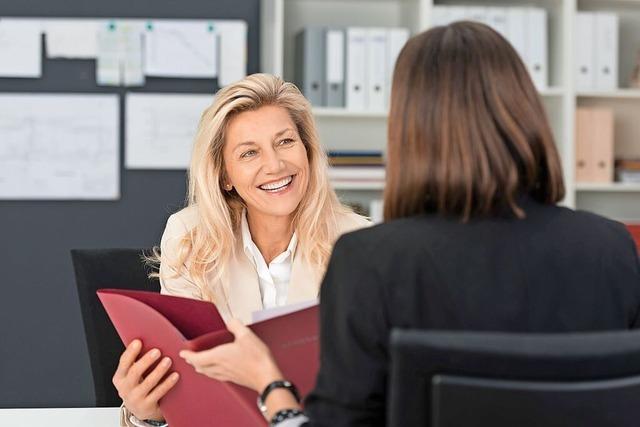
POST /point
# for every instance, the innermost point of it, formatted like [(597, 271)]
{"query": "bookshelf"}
[(342, 129)]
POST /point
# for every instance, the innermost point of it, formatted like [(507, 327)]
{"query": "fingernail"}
[(175, 376), (155, 353), (136, 343), (166, 361), (182, 354)]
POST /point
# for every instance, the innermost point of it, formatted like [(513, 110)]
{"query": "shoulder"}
[(379, 242), (351, 221), (182, 221), (595, 228)]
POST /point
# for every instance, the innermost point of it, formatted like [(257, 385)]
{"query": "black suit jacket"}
[(557, 270)]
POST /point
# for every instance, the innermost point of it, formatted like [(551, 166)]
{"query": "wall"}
[(43, 355)]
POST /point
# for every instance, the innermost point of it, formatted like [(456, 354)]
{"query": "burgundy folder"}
[(172, 324)]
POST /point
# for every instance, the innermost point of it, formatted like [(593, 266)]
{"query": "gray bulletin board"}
[(43, 355)]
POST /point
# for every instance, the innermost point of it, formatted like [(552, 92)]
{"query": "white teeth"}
[(277, 185)]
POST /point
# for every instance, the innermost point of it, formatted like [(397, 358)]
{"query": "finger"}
[(163, 388), (205, 357), (143, 364), (128, 358), (155, 376), (237, 328)]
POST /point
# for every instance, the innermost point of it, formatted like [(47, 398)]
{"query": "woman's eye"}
[(249, 153), (287, 141)]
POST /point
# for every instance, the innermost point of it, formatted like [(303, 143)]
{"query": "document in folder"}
[(172, 324)]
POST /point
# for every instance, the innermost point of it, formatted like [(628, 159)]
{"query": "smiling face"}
[(266, 161)]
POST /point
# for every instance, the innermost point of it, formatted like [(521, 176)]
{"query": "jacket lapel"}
[(304, 283), (242, 288)]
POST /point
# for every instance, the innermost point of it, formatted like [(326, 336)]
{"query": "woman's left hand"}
[(246, 361)]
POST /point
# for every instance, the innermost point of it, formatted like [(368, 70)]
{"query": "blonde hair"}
[(211, 244)]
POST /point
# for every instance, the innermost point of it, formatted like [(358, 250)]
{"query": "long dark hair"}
[(467, 131)]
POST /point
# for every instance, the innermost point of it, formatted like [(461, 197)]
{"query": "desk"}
[(60, 417)]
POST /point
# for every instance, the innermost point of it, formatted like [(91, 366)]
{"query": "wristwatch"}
[(262, 398), (146, 423)]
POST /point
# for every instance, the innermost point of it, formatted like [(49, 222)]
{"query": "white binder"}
[(457, 13), (396, 39), (477, 14), (497, 19), (334, 75), (606, 48), (439, 15), (356, 68), (537, 46), (517, 31), (376, 69), (584, 47)]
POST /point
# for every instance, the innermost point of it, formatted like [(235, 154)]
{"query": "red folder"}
[(172, 324)]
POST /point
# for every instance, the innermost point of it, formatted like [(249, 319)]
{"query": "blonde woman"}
[(259, 227)]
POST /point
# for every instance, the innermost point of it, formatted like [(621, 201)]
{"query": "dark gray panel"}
[(43, 355)]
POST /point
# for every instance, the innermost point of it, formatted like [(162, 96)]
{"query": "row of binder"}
[(596, 51), (524, 27), (594, 145), (348, 67)]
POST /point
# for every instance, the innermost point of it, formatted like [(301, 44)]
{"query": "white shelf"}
[(616, 94), (614, 187), (341, 129), (358, 185)]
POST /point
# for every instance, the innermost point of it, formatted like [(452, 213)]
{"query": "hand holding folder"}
[(172, 324)]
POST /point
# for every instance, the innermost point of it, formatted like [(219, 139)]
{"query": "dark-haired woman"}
[(473, 239)]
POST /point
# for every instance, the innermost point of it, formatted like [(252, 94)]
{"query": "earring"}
[(228, 187)]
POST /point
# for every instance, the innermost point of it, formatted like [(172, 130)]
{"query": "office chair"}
[(106, 268), (442, 379)]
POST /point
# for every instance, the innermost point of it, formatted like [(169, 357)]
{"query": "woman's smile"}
[(278, 186)]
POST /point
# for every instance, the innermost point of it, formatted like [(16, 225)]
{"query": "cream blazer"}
[(238, 295)]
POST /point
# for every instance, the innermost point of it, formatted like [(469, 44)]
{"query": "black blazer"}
[(557, 270)]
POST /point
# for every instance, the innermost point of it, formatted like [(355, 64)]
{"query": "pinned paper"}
[(119, 60), (59, 147), (160, 129), (180, 49), (108, 64), (233, 50), (71, 38), (20, 48)]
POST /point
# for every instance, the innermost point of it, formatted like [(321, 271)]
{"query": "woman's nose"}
[(272, 162)]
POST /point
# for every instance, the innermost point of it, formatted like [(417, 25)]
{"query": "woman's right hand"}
[(140, 394)]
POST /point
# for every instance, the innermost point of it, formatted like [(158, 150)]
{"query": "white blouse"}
[(273, 278)]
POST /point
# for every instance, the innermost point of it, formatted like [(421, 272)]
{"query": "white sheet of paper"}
[(71, 38), (270, 313), (160, 129), (62, 147), (233, 50), (108, 61), (119, 60), (20, 48), (180, 49), (131, 56)]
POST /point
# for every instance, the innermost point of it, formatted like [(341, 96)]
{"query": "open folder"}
[(172, 324)]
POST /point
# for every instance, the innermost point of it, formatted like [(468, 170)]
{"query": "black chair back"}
[(440, 379), (106, 268)]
